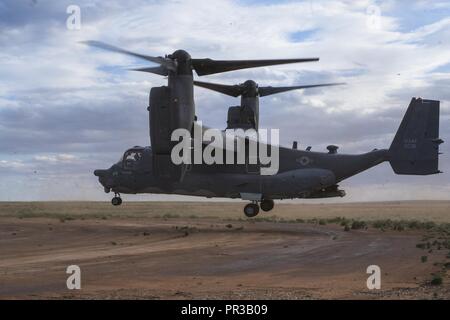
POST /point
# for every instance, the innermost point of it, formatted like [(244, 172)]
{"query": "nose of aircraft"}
[(104, 178), (100, 173)]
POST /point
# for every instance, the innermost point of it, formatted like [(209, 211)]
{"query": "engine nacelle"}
[(241, 117), (161, 127), (160, 120)]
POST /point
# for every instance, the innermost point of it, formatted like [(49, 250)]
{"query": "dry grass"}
[(433, 211)]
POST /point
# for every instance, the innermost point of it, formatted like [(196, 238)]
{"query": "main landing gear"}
[(252, 209), (117, 200), (267, 205)]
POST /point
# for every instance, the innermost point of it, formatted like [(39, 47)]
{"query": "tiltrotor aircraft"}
[(301, 173)]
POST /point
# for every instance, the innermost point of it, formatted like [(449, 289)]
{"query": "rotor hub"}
[(250, 88), (180, 56)]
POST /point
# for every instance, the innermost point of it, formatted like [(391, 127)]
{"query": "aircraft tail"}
[(415, 148)]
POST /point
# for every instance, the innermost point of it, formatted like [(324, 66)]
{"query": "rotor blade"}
[(233, 91), (266, 91), (209, 66), (169, 64), (156, 70)]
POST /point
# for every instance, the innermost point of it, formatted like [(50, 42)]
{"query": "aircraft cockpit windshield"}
[(132, 158)]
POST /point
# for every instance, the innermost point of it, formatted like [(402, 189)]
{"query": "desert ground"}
[(209, 250)]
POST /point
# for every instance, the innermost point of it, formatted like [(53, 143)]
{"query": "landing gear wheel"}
[(116, 201), (251, 210), (267, 205)]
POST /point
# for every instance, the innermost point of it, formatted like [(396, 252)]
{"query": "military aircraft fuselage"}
[(302, 174)]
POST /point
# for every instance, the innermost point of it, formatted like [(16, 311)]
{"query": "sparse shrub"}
[(322, 222), (446, 244), (382, 224), (421, 245), (359, 225), (414, 224), (398, 226), (401, 225), (337, 220), (436, 280), (346, 228), (170, 216), (429, 225), (264, 219), (424, 259)]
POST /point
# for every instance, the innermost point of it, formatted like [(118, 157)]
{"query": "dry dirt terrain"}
[(155, 250)]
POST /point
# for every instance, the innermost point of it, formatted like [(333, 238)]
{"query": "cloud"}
[(58, 97), (5, 164), (56, 158)]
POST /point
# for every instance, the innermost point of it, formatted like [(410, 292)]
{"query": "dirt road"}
[(183, 258)]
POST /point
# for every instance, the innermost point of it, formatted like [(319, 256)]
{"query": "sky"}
[(67, 109)]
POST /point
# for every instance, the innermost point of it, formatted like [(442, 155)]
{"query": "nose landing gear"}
[(117, 200)]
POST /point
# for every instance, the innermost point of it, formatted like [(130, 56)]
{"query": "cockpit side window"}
[(131, 159)]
